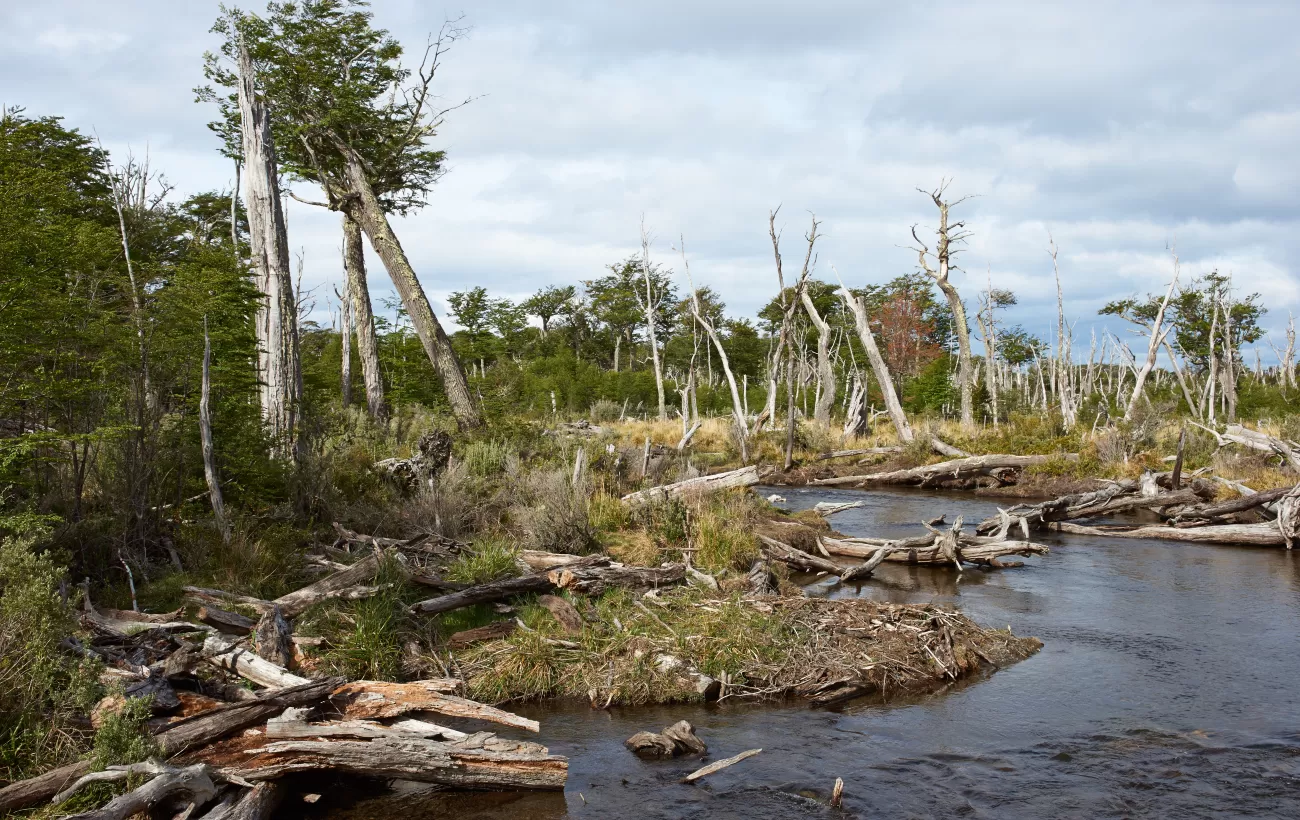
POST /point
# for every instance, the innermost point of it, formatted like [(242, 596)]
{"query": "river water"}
[(1166, 688)]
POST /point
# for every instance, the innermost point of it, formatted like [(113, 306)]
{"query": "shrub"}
[(605, 410), (556, 518), (124, 736), (485, 458), (41, 689)]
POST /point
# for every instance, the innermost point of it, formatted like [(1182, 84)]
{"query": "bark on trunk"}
[(825, 372), (210, 474), (363, 206), (744, 477), (945, 470), (279, 367), (878, 365), (363, 318)]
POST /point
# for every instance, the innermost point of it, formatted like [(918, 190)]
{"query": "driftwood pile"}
[(1186, 509)]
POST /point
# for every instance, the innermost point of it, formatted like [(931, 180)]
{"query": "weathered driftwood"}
[(425, 542), (219, 596), (536, 560), (298, 601), (797, 558), (34, 790), (192, 783), (1262, 442), (233, 658), (719, 765), (479, 761), (1222, 509), (866, 568), (945, 449), (990, 465), (563, 612), (922, 550), (231, 623), (592, 575), (273, 638), (373, 700), (744, 477), (674, 741), (707, 687), (257, 803), (825, 508), (1265, 534), (863, 451), (489, 632), (293, 727), (202, 729)]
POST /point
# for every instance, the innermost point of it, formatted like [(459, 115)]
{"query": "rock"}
[(674, 741), (775, 499)]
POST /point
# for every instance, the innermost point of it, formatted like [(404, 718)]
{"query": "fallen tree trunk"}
[(193, 783), (945, 470), (977, 551), (471, 763), (1255, 440), (1209, 512), (744, 477), (1266, 534), (245, 663), (231, 623), (27, 793), (298, 601), (202, 729), (372, 700), (865, 451), (797, 558)]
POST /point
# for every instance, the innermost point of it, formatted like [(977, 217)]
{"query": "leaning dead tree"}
[(650, 306), (949, 234), (825, 369), (210, 474), (738, 413), (357, 295), (784, 347), (279, 366), (878, 366), (1156, 332)]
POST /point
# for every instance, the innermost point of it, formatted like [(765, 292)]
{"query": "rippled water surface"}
[(1167, 687)]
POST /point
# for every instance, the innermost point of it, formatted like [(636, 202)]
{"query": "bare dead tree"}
[(210, 474), (279, 366), (948, 236), (825, 369), (650, 305), (345, 334), (1157, 333), (878, 366)]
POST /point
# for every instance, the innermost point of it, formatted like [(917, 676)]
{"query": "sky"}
[(1126, 131)]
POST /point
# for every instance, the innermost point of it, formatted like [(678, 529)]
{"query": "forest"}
[(199, 454)]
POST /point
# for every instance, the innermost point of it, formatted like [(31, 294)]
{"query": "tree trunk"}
[(825, 372), (205, 437), (345, 337), (279, 367), (363, 318), (650, 306), (1153, 348), (363, 206), (878, 365)]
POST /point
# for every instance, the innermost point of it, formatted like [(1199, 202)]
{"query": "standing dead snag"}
[(279, 366), (650, 305), (825, 371), (1157, 336), (949, 234), (878, 366), (210, 474)]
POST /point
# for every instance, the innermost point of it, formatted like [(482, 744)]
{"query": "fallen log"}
[(218, 596), (744, 477), (293, 727), (902, 552), (192, 783), (673, 741), (24, 794), (945, 470), (202, 729), (234, 658), (864, 451), (945, 449), (1221, 509), (797, 558), (1255, 440), (231, 623), (257, 803), (490, 632), (373, 700), (563, 613), (536, 560), (1265, 534), (298, 601), (273, 639), (471, 763), (719, 765), (825, 508)]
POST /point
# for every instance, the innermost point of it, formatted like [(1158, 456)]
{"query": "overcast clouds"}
[(1121, 127)]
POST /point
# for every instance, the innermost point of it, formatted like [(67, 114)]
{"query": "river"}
[(1163, 690)]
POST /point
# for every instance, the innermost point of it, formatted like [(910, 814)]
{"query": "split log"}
[(471, 763), (257, 803), (563, 612), (231, 623), (719, 765), (944, 449), (945, 470), (744, 477), (866, 568), (218, 596), (35, 790), (536, 560), (1209, 512), (202, 729), (797, 558), (760, 579), (1255, 440), (1266, 534), (297, 602), (273, 638), (293, 727), (825, 508), (233, 658), (909, 551), (192, 783), (490, 632), (673, 741), (372, 700)]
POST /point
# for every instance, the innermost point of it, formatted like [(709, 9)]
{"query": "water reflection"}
[(1163, 690)]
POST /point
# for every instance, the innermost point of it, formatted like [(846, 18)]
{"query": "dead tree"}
[(949, 234), (345, 336), (825, 371), (650, 306), (205, 437), (878, 365), (279, 366), (363, 317), (737, 404), (1157, 333)]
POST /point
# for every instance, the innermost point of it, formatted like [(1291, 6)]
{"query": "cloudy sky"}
[(1121, 128)]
